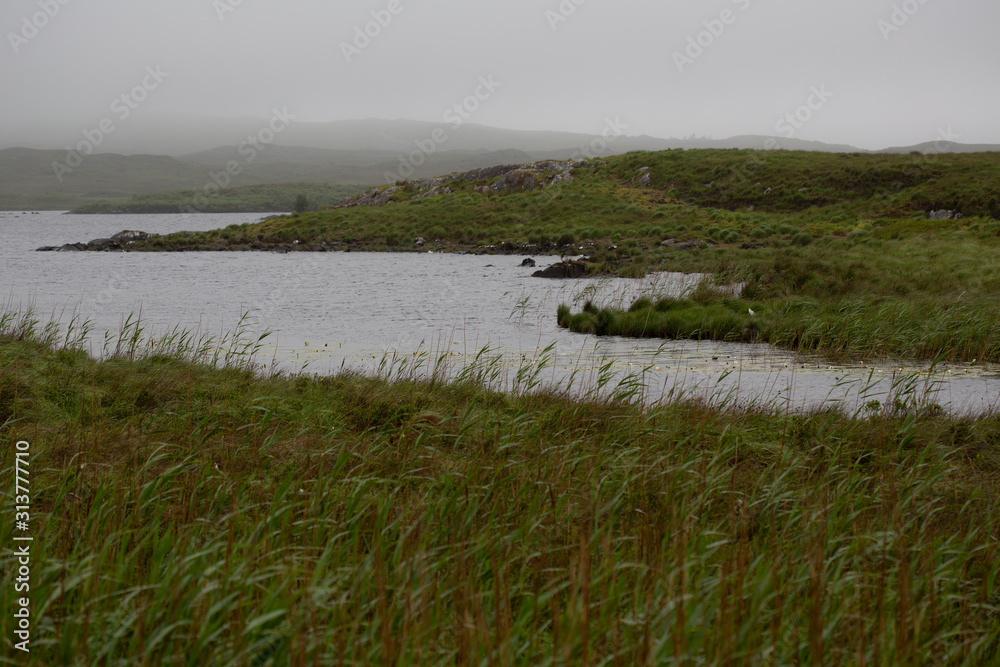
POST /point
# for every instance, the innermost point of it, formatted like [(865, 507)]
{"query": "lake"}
[(328, 311)]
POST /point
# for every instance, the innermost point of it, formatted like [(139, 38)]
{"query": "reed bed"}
[(191, 508)]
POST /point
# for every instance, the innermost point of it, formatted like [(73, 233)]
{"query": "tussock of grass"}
[(203, 513)]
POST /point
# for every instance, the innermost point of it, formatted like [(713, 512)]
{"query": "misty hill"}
[(178, 136), (931, 147), (274, 198), (204, 153)]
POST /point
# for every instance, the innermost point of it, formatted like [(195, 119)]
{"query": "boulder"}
[(419, 241), (528, 262), (128, 236), (47, 248), (568, 269), (519, 180), (645, 180), (71, 247), (944, 214)]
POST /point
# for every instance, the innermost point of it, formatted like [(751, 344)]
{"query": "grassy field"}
[(834, 253), (189, 509), (249, 198)]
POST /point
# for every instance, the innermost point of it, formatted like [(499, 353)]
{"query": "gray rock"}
[(519, 180), (486, 173), (419, 241), (47, 248), (643, 170), (528, 262), (569, 269), (128, 236), (645, 180), (71, 247), (944, 214)]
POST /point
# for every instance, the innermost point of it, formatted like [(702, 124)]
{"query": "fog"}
[(869, 74)]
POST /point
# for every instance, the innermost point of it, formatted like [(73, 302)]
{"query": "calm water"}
[(330, 310)]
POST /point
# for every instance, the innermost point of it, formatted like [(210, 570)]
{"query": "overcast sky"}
[(891, 72)]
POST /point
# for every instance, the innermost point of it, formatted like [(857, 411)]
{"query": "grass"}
[(927, 297), (189, 508)]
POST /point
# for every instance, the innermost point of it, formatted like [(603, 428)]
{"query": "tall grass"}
[(192, 513)]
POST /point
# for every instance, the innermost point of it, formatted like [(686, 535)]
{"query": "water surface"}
[(327, 311)]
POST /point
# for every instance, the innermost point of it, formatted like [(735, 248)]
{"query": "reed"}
[(191, 508)]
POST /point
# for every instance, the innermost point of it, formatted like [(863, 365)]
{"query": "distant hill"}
[(357, 152), (945, 147), (277, 198)]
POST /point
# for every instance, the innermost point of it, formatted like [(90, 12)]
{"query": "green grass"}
[(927, 296), (188, 509)]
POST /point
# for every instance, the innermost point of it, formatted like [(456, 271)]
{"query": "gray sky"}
[(895, 83)]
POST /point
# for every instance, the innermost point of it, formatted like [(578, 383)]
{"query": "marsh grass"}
[(190, 509)]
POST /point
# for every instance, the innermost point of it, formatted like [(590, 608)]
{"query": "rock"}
[(47, 248), (645, 180), (101, 243), (643, 170), (568, 269), (519, 180), (419, 241), (528, 262), (128, 236), (71, 247), (373, 197), (486, 173), (944, 214)]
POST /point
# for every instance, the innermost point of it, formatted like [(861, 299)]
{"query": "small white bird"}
[(750, 310)]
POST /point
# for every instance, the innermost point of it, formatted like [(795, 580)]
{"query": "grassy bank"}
[(194, 514), (927, 296)]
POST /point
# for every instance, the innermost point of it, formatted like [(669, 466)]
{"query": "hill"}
[(248, 198), (197, 153)]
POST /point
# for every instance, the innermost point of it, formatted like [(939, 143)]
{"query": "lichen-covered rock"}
[(519, 180)]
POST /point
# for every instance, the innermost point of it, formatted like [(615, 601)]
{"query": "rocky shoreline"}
[(126, 240)]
